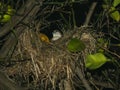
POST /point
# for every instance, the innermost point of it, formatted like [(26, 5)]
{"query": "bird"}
[(50, 35)]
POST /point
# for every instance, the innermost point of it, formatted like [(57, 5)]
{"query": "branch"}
[(7, 84), (89, 15), (24, 10), (84, 81), (8, 47)]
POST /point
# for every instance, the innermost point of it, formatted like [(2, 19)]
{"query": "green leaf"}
[(116, 3), (7, 14), (101, 40), (107, 1), (95, 61), (115, 15), (10, 10), (105, 6), (75, 45), (6, 18)]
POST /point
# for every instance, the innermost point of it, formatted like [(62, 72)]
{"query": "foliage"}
[(75, 45), (113, 12), (116, 3), (6, 12), (95, 61)]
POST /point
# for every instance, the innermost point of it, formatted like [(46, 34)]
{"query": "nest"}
[(50, 66)]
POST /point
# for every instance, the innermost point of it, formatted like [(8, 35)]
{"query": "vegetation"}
[(85, 55)]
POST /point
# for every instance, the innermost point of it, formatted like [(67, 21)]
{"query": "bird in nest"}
[(50, 36)]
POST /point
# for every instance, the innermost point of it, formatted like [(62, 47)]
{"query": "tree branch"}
[(89, 15)]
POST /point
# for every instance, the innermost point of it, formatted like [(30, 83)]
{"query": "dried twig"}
[(102, 84), (84, 81), (91, 10), (7, 84)]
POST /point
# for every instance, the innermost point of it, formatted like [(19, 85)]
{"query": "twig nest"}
[(86, 37), (89, 41), (51, 62)]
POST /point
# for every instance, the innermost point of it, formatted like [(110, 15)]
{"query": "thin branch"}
[(8, 84), (84, 81), (89, 15), (113, 53), (102, 84)]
